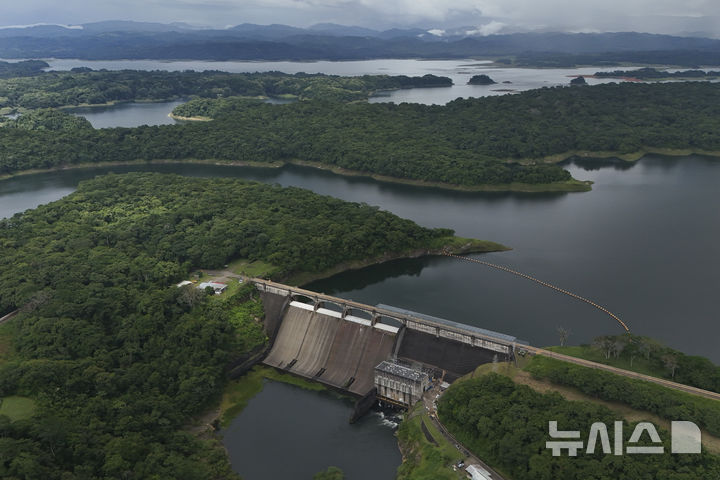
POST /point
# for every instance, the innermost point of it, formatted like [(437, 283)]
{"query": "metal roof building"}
[(399, 384)]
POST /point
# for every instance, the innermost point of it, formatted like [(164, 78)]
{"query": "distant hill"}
[(143, 40)]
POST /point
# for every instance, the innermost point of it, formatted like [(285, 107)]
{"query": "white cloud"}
[(668, 16), (487, 29)]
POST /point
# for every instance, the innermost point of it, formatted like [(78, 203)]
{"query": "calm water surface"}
[(287, 432), (129, 114), (645, 243), (459, 71)]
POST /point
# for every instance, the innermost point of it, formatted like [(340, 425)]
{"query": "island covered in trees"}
[(492, 143), (481, 80), (83, 86), (649, 73)]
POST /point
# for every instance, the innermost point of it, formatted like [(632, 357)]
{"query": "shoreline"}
[(570, 186), (462, 246), (189, 119)]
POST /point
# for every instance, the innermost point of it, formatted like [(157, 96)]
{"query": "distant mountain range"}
[(326, 41)]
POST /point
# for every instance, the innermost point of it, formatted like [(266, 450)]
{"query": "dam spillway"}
[(341, 346), (320, 344)]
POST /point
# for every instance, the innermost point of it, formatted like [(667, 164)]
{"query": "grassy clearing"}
[(255, 268), (460, 245), (238, 393), (639, 365), (711, 443), (421, 458), (17, 408)]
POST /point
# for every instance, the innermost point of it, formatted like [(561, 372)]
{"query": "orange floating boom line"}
[(545, 284)]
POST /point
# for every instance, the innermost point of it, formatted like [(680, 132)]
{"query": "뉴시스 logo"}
[(685, 438)]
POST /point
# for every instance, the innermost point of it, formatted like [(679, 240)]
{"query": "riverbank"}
[(559, 187), (569, 186), (628, 157), (572, 185), (189, 119), (455, 245), (238, 393)]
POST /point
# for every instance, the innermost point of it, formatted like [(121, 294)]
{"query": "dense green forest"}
[(21, 69), (648, 73), (507, 425), (47, 119), (114, 355), (646, 355), (83, 86), (639, 394), (465, 142)]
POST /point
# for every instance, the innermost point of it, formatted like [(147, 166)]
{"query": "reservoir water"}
[(645, 243), (129, 114), (460, 71)]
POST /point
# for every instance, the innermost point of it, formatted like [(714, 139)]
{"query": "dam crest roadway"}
[(340, 342)]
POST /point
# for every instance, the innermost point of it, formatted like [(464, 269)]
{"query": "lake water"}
[(460, 71), (509, 80), (129, 114), (643, 244), (287, 432)]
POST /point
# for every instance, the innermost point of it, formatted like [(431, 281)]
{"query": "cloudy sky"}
[(488, 16)]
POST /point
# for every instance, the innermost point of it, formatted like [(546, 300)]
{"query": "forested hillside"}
[(507, 425), (115, 357), (470, 143)]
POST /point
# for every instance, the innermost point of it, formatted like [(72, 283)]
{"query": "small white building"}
[(218, 287), (183, 283)]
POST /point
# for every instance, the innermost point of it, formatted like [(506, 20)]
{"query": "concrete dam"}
[(340, 342)]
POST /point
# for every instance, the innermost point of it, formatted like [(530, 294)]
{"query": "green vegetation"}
[(82, 86), (17, 408), (481, 80), (332, 473), (117, 356), (6, 342), (238, 393), (507, 425), (256, 268), (208, 108), (641, 395), (465, 143), (650, 357), (47, 119), (655, 74), (22, 68), (245, 312), (422, 458)]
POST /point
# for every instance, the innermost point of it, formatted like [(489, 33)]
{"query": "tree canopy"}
[(507, 425), (116, 357)]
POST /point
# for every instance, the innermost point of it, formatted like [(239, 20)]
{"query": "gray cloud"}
[(485, 16)]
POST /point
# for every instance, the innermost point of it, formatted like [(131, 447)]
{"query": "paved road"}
[(8, 316), (470, 459), (625, 373)]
